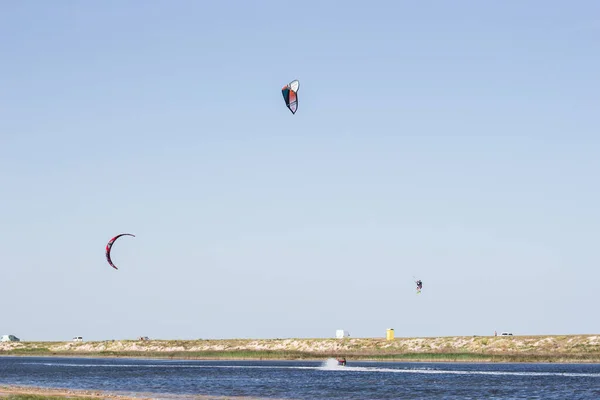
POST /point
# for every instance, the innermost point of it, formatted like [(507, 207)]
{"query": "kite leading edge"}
[(109, 247)]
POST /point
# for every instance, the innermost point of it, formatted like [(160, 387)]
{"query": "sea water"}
[(306, 379)]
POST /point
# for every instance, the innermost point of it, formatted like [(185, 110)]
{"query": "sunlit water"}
[(307, 380)]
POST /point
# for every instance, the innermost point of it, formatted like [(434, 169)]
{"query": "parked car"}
[(506, 334), (78, 339)]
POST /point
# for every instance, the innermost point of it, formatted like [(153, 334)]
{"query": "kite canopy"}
[(290, 95), (109, 247)]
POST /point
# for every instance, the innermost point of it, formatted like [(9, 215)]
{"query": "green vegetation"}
[(30, 350), (357, 356)]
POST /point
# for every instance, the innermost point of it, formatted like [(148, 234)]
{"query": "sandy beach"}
[(8, 391)]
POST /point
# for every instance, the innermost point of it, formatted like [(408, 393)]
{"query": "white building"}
[(9, 338), (340, 334)]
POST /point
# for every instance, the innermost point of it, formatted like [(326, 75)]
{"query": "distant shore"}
[(526, 349)]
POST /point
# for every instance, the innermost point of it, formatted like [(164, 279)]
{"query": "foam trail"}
[(332, 365)]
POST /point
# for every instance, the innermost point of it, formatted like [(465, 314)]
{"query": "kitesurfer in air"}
[(419, 285)]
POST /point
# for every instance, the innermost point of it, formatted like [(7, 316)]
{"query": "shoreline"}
[(44, 393), (12, 390), (436, 358)]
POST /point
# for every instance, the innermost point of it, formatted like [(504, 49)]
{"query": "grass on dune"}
[(573, 348), (357, 356)]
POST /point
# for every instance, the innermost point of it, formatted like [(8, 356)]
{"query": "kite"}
[(109, 247), (290, 95)]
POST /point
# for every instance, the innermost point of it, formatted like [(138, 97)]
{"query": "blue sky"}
[(452, 141)]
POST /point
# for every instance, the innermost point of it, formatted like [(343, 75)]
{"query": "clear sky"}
[(457, 142)]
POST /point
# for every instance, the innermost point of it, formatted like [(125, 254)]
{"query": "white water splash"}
[(331, 363)]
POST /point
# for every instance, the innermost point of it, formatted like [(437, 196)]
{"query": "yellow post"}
[(390, 334)]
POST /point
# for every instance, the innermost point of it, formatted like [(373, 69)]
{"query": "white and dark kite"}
[(290, 95)]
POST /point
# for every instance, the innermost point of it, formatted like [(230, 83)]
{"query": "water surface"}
[(307, 379)]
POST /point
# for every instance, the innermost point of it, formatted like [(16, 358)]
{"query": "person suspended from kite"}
[(290, 95), (109, 247), (419, 286)]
